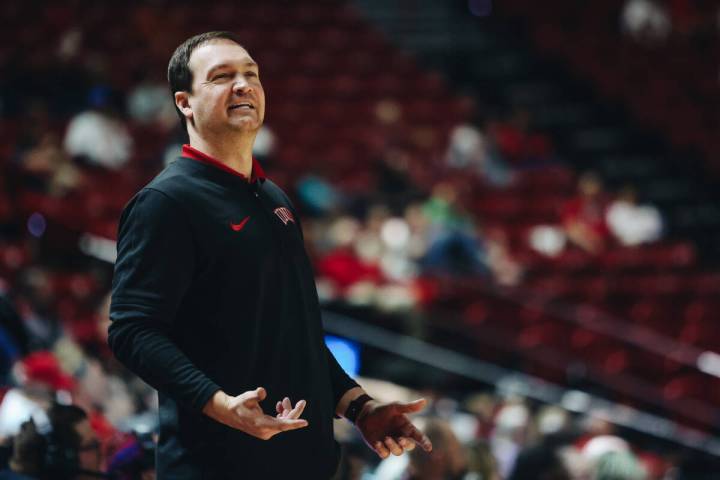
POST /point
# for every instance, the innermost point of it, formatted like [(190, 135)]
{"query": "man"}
[(69, 449), (214, 300), (447, 461)]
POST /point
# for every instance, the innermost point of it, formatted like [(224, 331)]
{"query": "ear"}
[(182, 101)]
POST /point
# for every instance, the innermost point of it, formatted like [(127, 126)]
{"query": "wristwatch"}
[(355, 407)]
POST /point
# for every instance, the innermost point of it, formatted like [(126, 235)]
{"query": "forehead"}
[(217, 52)]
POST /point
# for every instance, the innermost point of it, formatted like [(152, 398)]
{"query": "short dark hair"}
[(29, 447), (64, 419), (43, 454), (180, 76)]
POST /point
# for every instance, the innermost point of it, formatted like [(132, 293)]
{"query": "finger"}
[(292, 424), (254, 396), (407, 444), (298, 410), (381, 450), (419, 437), (287, 405), (412, 407), (392, 445), (283, 410), (280, 424), (423, 441), (278, 407), (261, 394)]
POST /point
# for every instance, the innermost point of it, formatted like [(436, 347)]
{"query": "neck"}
[(235, 152)]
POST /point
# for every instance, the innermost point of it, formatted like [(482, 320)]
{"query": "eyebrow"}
[(249, 63)]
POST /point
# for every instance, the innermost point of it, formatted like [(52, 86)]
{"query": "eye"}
[(221, 75), (251, 74)]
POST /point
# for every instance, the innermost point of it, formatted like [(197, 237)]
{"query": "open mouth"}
[(242, 106)]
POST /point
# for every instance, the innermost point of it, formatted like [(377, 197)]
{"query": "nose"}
[(241, 86)]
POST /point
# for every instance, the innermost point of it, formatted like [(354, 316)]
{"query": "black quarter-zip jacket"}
[(213, 290)]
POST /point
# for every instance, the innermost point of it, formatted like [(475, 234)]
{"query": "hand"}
[(386, 428), (244, 413), (285, 409)]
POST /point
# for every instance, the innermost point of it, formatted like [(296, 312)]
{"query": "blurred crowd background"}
[(510, 205)]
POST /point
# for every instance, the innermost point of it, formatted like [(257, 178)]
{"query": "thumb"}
[(414, 406), (260, 393), (257, 395)]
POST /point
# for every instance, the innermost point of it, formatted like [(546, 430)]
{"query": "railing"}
[(504, 379)]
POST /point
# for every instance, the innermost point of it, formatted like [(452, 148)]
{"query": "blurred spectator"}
[(98, 136), (454, 247), (419, 226), (547, 239), (619, 466), (97, 390), (14, 339), (388, 116), (48, 169), (396, 261), (395, 187), (27, 455), (646, 21), (601, 445), (551, 419), (633, 224), (64, 448), (15, 409), (70, 44), (369, 243), (509, 436), (545, 461), (371, 263), (448, 459), (38, 377), (611, 458), (148, 103), (347, 272), (35, 302), (482, 465), (265, 145), (519, 144), (134, 459), (505, 270), (577, 466), (317, 195), (470, 149), (583, 217)]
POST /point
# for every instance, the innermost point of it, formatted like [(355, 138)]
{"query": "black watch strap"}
[(355, 407)]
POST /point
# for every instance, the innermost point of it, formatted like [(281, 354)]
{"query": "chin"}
[(245, 126)]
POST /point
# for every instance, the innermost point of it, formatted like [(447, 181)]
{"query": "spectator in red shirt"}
[(519, 144), (583, 217)]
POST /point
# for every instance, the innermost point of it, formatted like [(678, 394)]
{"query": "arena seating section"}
[(324, 69)]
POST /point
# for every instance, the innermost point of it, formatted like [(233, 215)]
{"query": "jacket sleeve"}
[(341, 381), (153, 271)]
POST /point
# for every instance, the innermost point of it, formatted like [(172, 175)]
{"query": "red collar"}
[(257, 172)]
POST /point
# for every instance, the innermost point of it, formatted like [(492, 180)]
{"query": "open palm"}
[(387, 429)]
